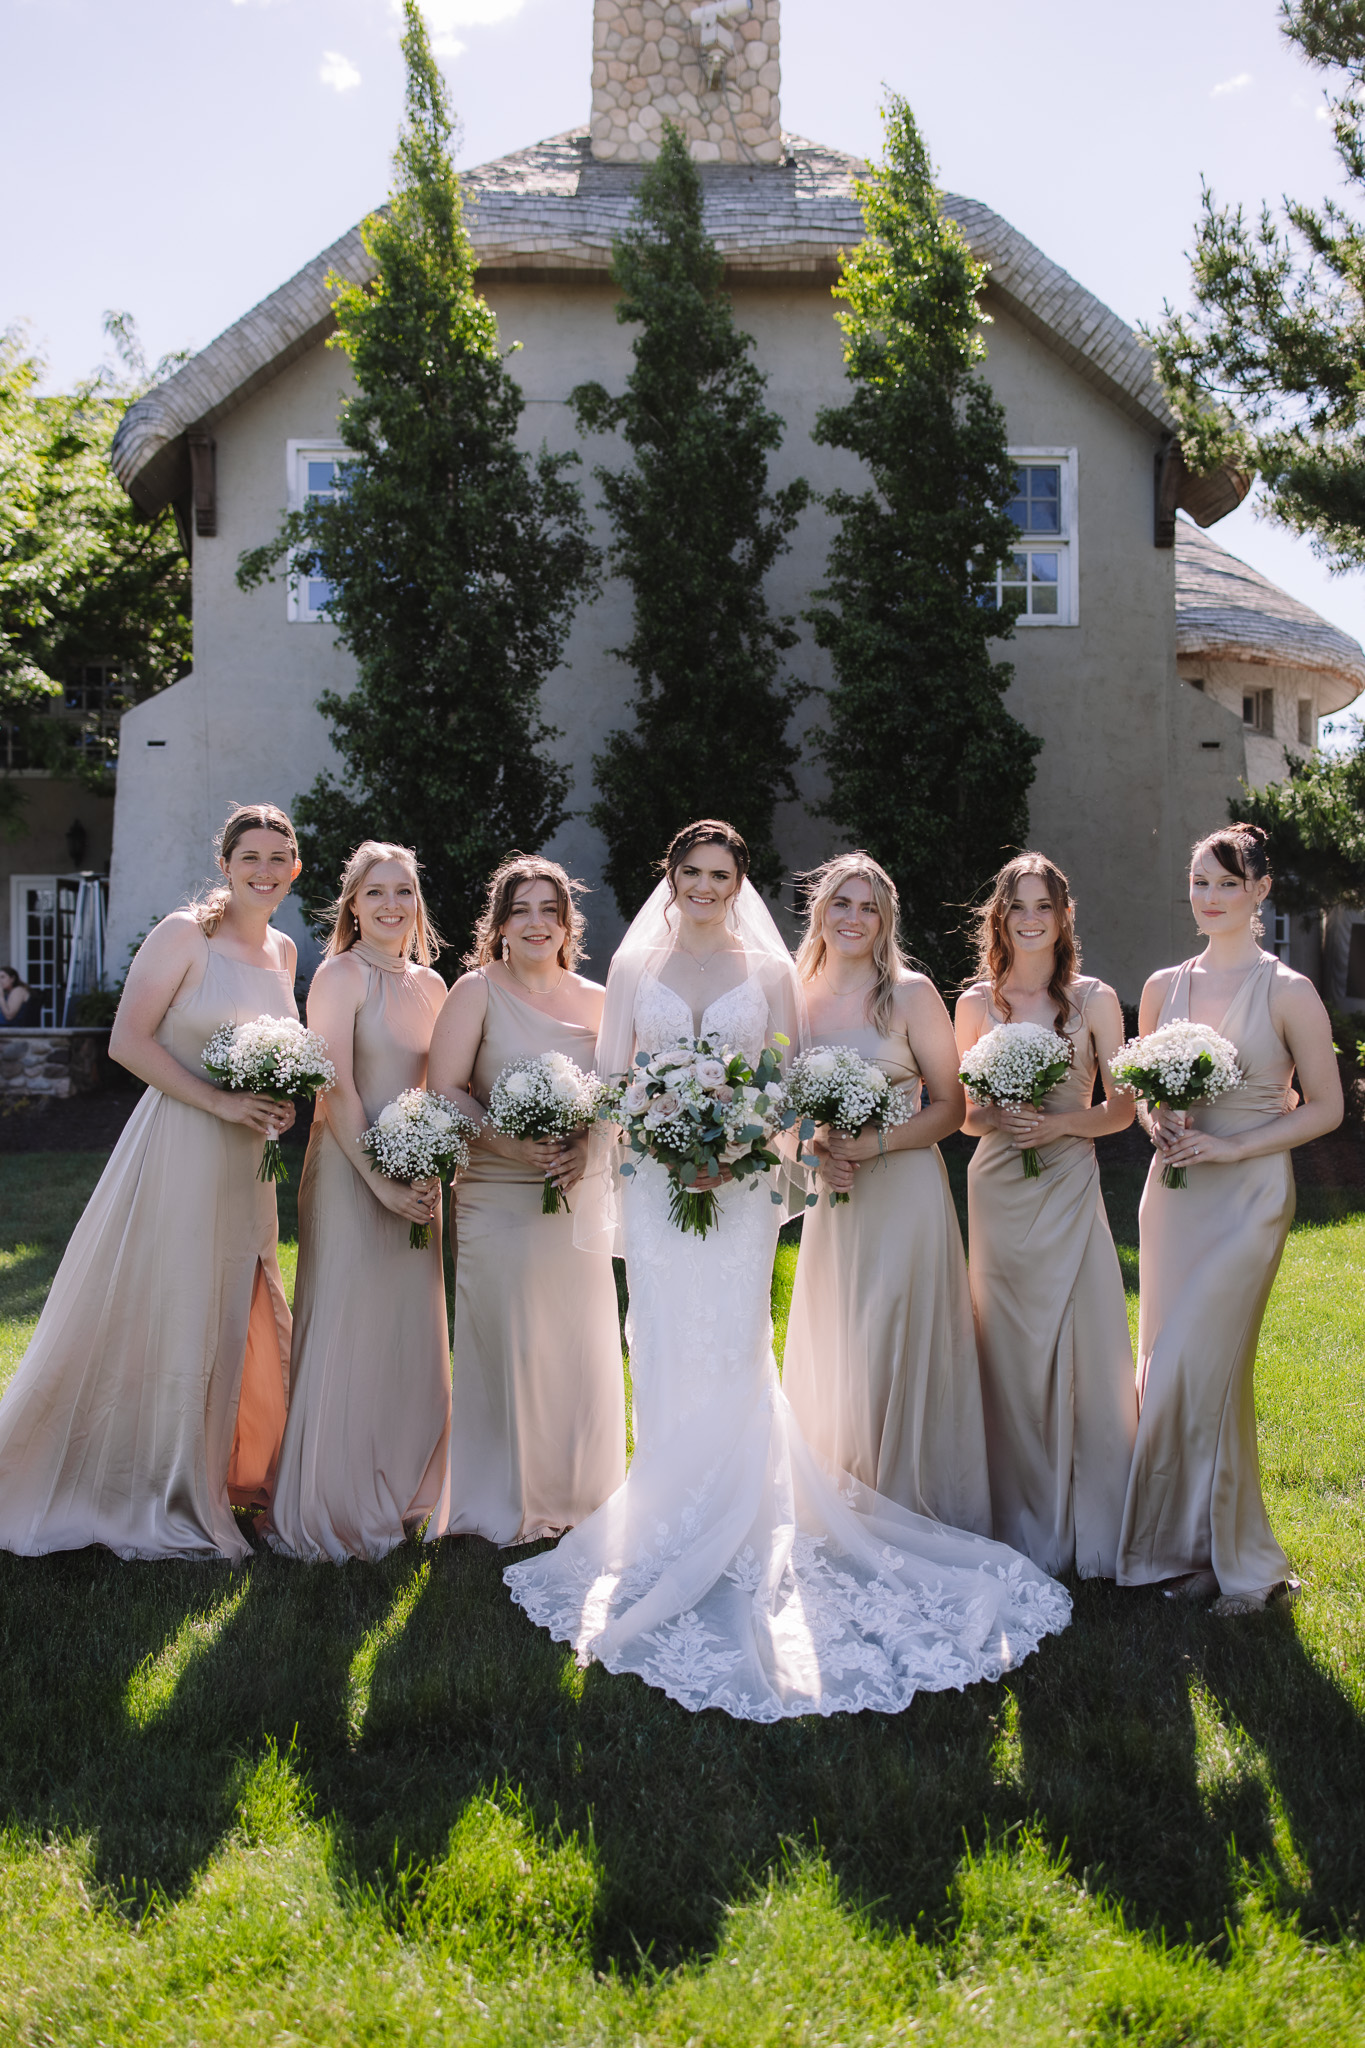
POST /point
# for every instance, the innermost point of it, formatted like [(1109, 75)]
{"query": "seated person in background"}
[(15, 997)]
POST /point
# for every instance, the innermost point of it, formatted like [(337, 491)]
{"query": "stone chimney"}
[(712, 69)]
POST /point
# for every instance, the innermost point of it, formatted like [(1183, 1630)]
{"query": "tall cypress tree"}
[(695, 531), (926, 767), (456, 560)]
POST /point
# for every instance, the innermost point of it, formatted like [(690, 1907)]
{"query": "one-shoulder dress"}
[(365, 1444), (1209, 1255), (538, 1414), (1052, 1331), (152, 1396), (880, 1364)]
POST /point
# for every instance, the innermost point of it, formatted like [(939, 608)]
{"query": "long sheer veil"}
[(651, 936)]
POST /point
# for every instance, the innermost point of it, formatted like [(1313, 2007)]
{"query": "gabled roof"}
[(553, 208), (1227, 611)]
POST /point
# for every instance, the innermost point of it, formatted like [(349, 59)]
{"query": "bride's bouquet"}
[(1180, 1064), (545, 1096), (1016, 1064), (834, 1085), (697, 1107), (274, 1056), (419, 1136)]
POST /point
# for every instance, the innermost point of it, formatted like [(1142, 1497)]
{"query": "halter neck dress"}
[(538, 1419), (153, 1393), (1209, 1256), (880, 1365), (365, 1444), (1052, 1332)]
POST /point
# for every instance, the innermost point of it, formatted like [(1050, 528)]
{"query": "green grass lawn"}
[(308, 1805)]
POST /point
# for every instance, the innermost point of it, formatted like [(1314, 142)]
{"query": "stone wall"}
[(52, 1062), (649, 63)]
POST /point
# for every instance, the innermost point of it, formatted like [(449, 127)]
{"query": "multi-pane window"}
[(1038, 581), (1277, 932), (1258, 711), (316, 473)]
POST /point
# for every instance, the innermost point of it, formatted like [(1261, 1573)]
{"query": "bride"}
[(731, 1569)]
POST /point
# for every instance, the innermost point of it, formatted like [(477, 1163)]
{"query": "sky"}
[(179, 159)]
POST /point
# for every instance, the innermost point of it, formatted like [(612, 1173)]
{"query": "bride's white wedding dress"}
[(731, 1570)]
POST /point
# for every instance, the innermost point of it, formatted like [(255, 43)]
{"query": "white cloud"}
[(1228, 85), (338, 71), (445, 16)]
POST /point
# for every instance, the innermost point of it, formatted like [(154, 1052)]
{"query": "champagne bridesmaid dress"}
[(369, 1415), (1052, 1331), (153, 1393), (538, 1432), (880, 1365), (1209, 1256)]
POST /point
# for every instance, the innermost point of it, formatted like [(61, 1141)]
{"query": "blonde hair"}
[(995, 947), (211, 909), (424, 941), (503, 884), (889, 958)]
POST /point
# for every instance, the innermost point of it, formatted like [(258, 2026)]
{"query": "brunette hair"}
[(16, 978), (503, 884), (995, 948), (211, 908), (1242, 850), (424, 941), (889, 957), (704, 832)]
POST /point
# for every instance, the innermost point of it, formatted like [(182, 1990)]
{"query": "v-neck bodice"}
[(738, 1018), (1266, 1063)]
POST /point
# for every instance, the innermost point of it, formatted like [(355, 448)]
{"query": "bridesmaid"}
[(538, 1424), (1051, 1325), (365, 1444), (880, 1364), (1194, 1515), (152, 1396)]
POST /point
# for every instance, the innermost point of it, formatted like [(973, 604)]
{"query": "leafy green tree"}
[(456, 560), (1266, 367), (1315, 820), (696, 530), (84, 580), (926, 767)]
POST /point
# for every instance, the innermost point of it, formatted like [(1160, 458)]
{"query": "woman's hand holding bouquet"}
[(835, 1086), (542, 1098), (1016, 1064), (704, 1114), (276, 1057), (419, 1137), (1175, 1067)]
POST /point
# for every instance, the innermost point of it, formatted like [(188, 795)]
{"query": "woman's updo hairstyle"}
[(704, 832), (503, 884), (1242, 850), (424, 941), (210, 909)]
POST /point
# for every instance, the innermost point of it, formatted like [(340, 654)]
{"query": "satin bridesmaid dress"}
[(1052, 1331), (1209, 1256), (369, 1416), (880, 1365), (152, 1396), (538, 1432)]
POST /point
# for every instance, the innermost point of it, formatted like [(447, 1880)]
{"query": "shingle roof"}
[(1227, 611), (553, 208)]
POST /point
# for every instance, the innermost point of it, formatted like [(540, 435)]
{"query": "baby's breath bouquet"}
[(697, 1107), (1179, 1064), (545, 1096), (1015, 1064), (834, 1085), (274, 1056), (419, 1136)]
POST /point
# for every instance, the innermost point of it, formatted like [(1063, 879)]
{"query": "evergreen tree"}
[(456, 560), (926, 767), (695, 532), (1265, 369)]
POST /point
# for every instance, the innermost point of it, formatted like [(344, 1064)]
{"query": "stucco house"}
[(1136, 761)]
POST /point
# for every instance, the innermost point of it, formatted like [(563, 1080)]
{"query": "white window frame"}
[(19, 952), (1065, 544), (297, 453)]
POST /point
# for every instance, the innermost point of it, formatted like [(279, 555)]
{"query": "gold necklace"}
[(507, 963), (842, 994)]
